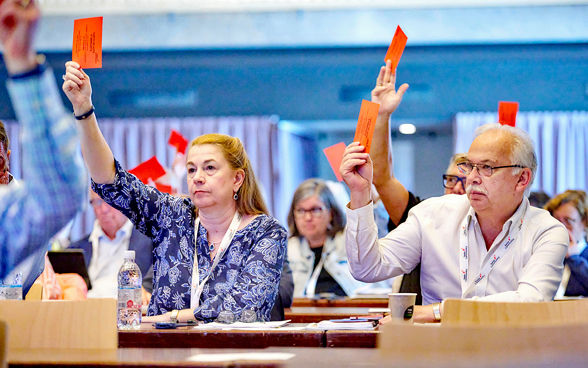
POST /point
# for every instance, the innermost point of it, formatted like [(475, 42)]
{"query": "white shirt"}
[(530, 270), (107, 259)]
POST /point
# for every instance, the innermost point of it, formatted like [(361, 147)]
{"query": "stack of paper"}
[(350, 325)]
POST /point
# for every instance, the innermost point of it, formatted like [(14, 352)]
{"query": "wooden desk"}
[(304, 358), (351, 339), (187, 337), (122, 358), (341, 303), (317, 314)]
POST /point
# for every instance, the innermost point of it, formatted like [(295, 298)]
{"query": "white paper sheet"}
[(242, 326), (230, 357)]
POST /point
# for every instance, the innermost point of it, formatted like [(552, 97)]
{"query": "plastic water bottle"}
[(11, 286), (129, 294)]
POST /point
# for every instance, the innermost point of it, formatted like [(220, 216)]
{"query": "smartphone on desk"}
[(174, 325)]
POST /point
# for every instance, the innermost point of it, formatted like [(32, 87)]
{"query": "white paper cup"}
[(401, 307)]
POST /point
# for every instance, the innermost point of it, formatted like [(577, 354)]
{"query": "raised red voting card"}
[(87, 42), (507, 113), (335, 156), (150, 169), (366, 124), (396, 48), (179, 141)]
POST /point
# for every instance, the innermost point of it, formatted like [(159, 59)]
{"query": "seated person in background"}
[(5, 176), (104, 248), (316, 247), (538, 199), (571, 209), (218, 250), (396, 198), (54, 191), (490, 245)]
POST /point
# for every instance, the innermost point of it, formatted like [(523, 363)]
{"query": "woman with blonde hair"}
[(571, 209), (217, 250)]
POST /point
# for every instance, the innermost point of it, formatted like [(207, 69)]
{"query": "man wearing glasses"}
[(489, 245)]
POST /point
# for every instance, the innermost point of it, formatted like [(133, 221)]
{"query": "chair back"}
[(87, 324), (458, 312)]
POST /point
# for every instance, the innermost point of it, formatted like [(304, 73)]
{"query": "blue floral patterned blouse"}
[(247, 276)]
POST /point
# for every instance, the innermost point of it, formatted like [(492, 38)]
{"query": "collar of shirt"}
[(107, 258), (516, 218), (122, 233)]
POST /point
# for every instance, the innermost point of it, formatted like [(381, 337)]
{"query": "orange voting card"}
[(87, 42), (150, 169), (396, 48), (179, 141), (507, 113), (366, 124), (335, 156)]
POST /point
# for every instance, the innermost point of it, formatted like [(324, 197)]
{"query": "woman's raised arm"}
[(97, 154)]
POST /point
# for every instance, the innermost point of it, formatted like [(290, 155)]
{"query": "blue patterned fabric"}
[(247, 276), (55, 179)]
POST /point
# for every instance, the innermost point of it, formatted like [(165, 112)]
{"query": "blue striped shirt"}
[(55, 178)]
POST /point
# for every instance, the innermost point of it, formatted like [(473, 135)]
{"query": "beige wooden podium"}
[(458, 312), (87, 324)]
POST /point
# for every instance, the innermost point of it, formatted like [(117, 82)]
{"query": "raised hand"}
[(385, 92), (357, 170), (77, 87), (18, 23)]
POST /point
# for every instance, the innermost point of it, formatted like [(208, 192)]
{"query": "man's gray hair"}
[(522, 151)]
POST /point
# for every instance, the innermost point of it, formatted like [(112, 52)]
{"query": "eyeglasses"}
[(97, 202), (314, 211), (483, 169), (450, 181)]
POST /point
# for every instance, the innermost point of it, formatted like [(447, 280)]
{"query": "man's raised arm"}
[(393, 194)]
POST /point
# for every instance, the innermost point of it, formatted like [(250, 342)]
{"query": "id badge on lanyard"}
[(196, 287), (470, 282)]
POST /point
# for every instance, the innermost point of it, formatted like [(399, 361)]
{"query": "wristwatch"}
[(437, 311), (174, 316)]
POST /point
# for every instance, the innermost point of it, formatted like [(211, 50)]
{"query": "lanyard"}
[(311, 286), (196, 287), (482, 279)]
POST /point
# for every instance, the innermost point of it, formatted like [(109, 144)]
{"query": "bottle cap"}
[(129, 254)]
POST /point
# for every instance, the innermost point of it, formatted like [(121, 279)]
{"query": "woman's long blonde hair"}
[(250, 201)]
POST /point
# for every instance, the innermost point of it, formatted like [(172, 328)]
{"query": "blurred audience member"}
[(34, 211), (571, 209), (538, 199), (316, 247), (104, 247)]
